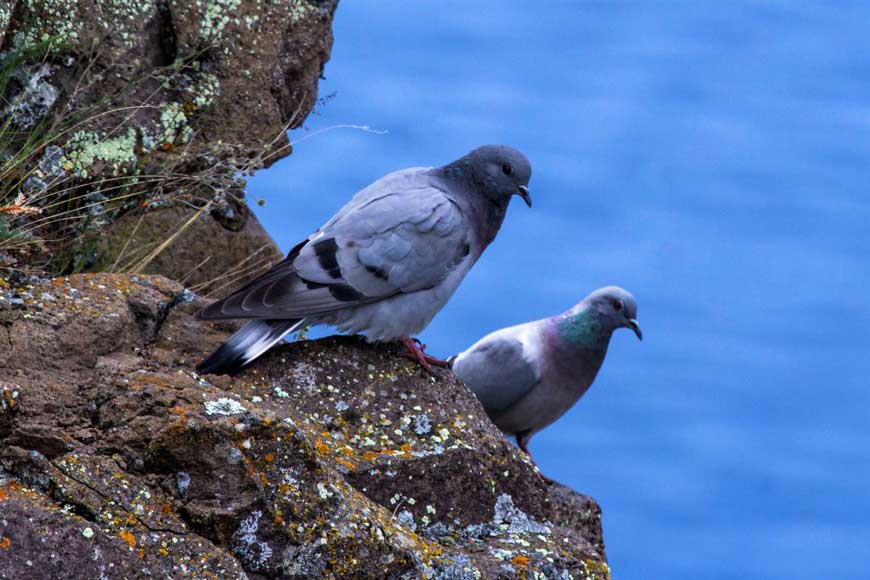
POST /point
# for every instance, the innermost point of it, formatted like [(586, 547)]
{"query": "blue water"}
[(711, 157)]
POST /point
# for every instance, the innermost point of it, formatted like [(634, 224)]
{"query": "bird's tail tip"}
[(248, 343)]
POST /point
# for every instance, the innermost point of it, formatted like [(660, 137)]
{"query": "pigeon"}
[(529, 375), (385, 264)]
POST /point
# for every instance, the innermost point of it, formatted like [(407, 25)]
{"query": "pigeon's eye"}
[(507, 169), (617, 305)]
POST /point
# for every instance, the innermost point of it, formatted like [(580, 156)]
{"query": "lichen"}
[(52, 22), (224, 406), (174, 124), (203, 91), (252, 551), (35, 98), (299, 9), (86, 148), (126, 17), (215, 17), (596, 570), (5, 15)]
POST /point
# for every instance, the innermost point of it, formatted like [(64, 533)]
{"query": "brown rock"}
[(204, 256), (330, 458)]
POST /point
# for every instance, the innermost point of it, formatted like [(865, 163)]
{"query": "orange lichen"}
[(129, 538), (321, 447), (520, 560), (346, 463), (269, 457), (3, 494), (5, 543)]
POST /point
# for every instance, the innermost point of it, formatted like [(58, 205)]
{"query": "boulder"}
[(328, 458)]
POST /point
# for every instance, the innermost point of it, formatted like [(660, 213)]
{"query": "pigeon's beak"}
[(632, 324), (524, 193)]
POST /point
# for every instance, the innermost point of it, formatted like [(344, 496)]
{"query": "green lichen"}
[(203, 92), (5, 15), (86, 148), (173, 124), (216, 15), (126, 17), (299, 9), (53, 21)]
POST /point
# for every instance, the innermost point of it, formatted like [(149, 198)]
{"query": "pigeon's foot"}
[(522, 443), (416, 352)]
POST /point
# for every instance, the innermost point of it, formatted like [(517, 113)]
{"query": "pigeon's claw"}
[(416, 352)]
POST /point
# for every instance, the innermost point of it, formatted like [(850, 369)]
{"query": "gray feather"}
[(497, 372), (249, 342)]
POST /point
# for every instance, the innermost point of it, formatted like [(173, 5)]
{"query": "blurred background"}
[(710, 157)]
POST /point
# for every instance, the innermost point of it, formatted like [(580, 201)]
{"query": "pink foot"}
[(416, 353)]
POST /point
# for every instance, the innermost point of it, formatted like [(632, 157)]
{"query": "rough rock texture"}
[(326, 459), (118, 108), (207, 255), (232, 71)]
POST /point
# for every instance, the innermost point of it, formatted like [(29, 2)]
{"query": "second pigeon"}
[(529, 375)]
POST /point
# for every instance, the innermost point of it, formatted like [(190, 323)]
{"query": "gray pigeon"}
[(385, 264), (529, 375)]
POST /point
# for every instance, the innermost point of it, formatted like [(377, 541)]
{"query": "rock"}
[(232, 71), (328, 458), (126, 107), (206, 255)]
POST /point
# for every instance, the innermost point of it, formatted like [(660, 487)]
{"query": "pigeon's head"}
[(499, 171), (616, 307)]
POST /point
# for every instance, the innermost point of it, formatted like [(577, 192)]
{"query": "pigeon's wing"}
[(400, 240), (499, 370)]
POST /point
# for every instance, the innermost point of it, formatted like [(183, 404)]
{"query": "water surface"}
[(710, 157)]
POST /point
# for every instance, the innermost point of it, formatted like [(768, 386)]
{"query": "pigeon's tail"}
[(249, 342)]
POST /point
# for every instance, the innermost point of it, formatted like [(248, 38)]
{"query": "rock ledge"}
[(326, 459)]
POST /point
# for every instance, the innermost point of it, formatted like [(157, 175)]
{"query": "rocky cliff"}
[(126, 128), (325, 459)]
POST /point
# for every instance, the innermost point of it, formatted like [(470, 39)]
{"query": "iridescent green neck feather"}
[(581, 328)]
